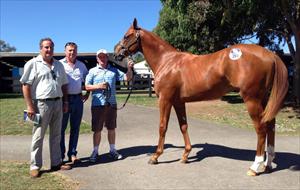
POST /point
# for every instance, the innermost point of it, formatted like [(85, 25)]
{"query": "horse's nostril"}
[(118, 57)]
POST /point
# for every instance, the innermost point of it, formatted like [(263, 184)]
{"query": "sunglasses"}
[(53, 75)]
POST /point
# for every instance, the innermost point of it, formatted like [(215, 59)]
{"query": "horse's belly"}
[(200, 94)]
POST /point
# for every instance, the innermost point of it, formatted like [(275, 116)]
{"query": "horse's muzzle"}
[(119, 57)]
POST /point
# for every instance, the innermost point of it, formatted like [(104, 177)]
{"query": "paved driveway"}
[(220, 157)]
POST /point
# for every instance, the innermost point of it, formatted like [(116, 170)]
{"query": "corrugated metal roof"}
[(14, 59)]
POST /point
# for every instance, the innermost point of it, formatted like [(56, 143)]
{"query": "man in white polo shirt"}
[(76, 72), (44, 85)]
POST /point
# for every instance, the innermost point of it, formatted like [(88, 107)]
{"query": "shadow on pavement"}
[(283, 160)]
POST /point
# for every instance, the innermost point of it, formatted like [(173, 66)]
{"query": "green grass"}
[(236, 115), (12, 106), (231, 111), (15, 176), (11, 117), (135, 99)]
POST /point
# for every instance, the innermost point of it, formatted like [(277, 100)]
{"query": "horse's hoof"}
[(267, 169), (153, 161), (251, 173), (184, 161)]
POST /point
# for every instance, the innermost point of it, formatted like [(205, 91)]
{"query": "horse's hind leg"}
[(255, 110), (270, 146), (164, 109), (181, 115)]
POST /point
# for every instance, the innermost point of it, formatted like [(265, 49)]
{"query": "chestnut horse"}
[(258, 74)]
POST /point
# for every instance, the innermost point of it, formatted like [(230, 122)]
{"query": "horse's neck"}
[(154, 48)]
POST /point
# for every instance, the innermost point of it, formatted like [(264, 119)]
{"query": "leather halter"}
[(136, 40)]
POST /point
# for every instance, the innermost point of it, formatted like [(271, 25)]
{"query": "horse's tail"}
[(278, 92)]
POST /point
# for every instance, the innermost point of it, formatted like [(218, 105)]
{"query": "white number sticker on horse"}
[(235, 54)]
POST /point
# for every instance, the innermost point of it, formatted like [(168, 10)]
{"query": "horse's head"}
[(130, 44)]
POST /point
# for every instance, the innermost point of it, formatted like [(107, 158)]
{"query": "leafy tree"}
[(5, 47), (203, 26)]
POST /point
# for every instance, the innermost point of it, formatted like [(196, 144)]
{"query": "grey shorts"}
[(104, 116)]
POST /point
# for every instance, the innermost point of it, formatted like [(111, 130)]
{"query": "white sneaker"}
[(115, 155), (93, 157)]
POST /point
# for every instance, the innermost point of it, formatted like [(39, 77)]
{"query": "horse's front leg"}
[(181, 115), (164, 109)]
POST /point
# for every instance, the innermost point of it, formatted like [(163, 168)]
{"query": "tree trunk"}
[(296, 82), (295, 27)]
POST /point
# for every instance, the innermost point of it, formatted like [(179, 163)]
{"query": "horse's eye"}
[(125, 37)]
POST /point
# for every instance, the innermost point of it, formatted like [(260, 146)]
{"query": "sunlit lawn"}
[(230, 111), (15, 176)]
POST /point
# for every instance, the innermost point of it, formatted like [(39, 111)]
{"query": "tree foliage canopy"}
[(207, 26)]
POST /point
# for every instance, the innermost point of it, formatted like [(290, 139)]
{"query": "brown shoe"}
[(34, 173), (61, 167), (65, 167)]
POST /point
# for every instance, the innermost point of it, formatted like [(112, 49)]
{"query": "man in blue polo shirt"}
[(101, 80)]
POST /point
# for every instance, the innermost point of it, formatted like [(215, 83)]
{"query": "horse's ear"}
[(135, 26)]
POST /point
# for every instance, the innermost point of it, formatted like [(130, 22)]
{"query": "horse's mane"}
[(162, 42)]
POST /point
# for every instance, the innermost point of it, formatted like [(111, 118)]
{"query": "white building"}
[(143, 69)]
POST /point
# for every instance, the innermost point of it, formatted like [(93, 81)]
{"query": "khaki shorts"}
[(104, 116)]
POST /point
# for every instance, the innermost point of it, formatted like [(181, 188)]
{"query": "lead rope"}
[(108, 93), (131, 87)]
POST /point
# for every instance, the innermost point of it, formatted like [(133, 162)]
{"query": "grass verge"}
[(15, 175), (11, 117), (230, 111)]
